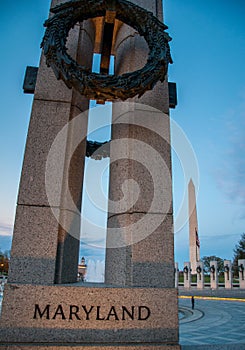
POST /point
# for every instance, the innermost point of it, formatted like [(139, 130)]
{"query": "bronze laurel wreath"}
[(98, 86)]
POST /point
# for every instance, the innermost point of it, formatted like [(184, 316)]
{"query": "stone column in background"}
[(200, 275), (187, 275), (228, 274), (241, 270), (214, 279), (176, 275)]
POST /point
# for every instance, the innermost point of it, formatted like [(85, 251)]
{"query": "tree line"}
[(239, 253)]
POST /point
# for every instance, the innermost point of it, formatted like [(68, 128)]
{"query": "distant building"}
[(194, 242), (82, 269)]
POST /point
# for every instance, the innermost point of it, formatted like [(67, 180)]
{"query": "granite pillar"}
[(176, 275), (54, 106), (147, 259), (137, 307), (214, 279), (228, 274), (187, 275), (140, 250), (241, 271), (200, 275), (46, 236)]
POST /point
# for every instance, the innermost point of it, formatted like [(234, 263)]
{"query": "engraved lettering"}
[(40, 313), (100, 313), (144, 313), (87, 312), (98, 318), (59, 312), (112, 313), (126, 311), (74, 309)]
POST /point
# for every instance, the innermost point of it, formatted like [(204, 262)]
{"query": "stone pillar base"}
[(87, 316), (100, 346)]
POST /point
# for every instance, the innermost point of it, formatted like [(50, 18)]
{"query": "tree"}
[(239, 253), (206, 263), (4, 262)]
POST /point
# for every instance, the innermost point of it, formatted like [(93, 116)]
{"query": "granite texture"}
[(176, 275), (200, 276), (44, 251), (241, 275), (92, 336), (100, 346), (47, 120), (56, 183), (140, 190), (159, 275), (34, 246), (48, 87), (187, 276), (228, 275), (21, 325), (214, 280), (140, 174), (138, 242), (141, 157)]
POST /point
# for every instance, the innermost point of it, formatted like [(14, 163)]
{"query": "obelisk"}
[(194, 243)]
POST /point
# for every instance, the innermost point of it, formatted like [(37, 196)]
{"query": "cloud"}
[(6, 230), (90, 251)]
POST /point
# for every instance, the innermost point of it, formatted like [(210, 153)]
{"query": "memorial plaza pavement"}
[(217, 321)]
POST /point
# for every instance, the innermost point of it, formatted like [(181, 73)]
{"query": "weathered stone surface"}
[(99, 346), (214, 279), (34, 246), (100, 325), (45, 250), (137, 187), (187, 275), (140, 153), (241, 271), (47, 120), (200, 275), (138, 253), (228, 274)]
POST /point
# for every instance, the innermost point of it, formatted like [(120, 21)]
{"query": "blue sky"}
[(208, 50)]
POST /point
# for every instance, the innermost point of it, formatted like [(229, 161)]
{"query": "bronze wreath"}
[(185, 269), (226, 268), (241, 268), (98, 86), (199, 269)]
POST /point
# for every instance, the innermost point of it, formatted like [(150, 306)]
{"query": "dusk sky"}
[(208, 50)]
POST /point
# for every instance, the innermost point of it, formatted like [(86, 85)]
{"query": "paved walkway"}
[(214, 324)]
